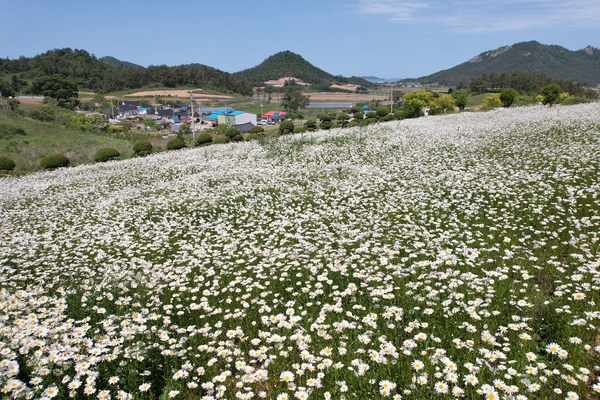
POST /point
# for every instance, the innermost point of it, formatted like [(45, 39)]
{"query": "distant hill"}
[(113, 62), (582, 66), (110, 75), (290, 64)]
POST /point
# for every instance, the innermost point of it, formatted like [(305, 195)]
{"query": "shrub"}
[(300, 129), (219, 140), (286, 127), (204, 139), (382, 111), (114, 128), (371, 114), (175, 144), (237, 138), (6, 164), (311, 125), (231, 132), (389, 117), (106, 154), (257, 129), (252, 136), (358, 115), (325, 124), (142, 148), (53, 161)]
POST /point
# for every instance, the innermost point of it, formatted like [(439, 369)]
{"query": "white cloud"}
[(477, 16)]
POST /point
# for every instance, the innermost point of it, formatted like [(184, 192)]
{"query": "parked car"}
[(264, 122)]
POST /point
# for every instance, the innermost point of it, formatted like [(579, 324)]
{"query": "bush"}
[(325, 124), (219, 140), (252, 136), (237, 138), (106, 154), (371, 114), (114, 128), (142, 148), (53, 161), (6, 164), (257, 129), (310, 125), (389, 117), (204, 139), (574, 100), (231, 132), (286, 127), (382, 111), (175, 144), (358, 115), (300, 129)]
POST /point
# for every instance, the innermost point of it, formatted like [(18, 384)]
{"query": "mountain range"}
[(581, 66), (108, 74)]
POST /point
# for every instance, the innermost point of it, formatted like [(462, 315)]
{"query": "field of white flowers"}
[(442, 257)]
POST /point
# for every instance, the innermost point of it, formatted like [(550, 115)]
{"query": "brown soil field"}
[(29, 100), (281, 81), (176, 93)]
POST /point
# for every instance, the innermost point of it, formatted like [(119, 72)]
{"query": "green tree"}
[(442, 105), (14, 104), (292, 99), (382, 111), (551, 93), (460, 98), (311, 125), (492, 101), (57, 87), (286, 127), (508, 96), (343, 118), (6, 89)]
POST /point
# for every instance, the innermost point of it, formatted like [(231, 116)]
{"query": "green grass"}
[(43, 138)]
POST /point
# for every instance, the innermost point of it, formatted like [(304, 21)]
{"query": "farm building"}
[(240, 120), (275, 116)]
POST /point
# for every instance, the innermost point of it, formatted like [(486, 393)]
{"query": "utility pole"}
[(193, 118), (392, 98)]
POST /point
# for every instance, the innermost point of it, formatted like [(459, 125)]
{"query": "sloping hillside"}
[(554, 61)]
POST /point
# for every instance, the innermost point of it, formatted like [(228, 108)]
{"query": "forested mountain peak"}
[(289, 64), (554, 61)]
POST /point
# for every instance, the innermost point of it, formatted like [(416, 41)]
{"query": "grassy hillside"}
[(26, 141), (440, 257), (581, 66)]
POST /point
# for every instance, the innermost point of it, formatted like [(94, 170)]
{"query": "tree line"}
[(88, 72), (525, 82)]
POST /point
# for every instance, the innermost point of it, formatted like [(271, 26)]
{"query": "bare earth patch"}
[(176, 93), (281, 81)]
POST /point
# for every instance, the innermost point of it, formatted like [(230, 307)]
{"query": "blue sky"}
[(386, 38)]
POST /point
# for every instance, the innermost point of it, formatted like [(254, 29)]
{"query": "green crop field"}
[(440, 257)]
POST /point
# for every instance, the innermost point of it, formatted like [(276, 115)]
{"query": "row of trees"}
[(88, 72), (526, 82)]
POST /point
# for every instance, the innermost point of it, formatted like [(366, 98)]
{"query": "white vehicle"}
[(264, 122)]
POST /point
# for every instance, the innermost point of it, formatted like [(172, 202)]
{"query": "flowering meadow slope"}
[(446, 257)]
